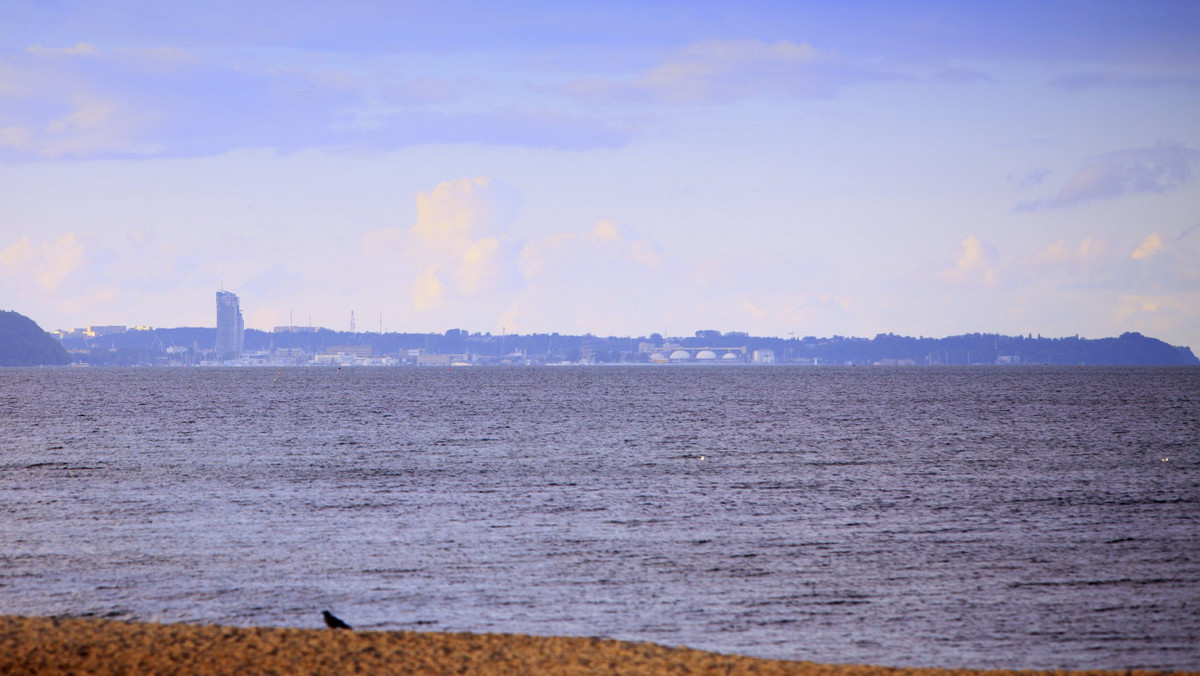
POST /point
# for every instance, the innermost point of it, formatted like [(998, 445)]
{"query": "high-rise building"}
[(230, 328)]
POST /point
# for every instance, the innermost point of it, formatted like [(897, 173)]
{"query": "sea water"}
[(974, 517)]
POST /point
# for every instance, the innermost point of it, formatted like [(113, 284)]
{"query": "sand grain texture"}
[(36, 645)]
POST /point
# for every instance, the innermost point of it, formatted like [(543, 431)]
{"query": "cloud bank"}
[(87, 102), (1124, 172), (1122, 80), (722, 71)]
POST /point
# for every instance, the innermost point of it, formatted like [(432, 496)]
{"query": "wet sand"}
[(37, 645)]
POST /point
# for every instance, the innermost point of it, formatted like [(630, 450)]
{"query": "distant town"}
[(231, 344)]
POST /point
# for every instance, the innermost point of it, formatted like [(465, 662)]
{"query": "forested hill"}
[(982, 348), (24, 343)]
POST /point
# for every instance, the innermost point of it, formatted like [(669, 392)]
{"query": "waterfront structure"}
[(230, 327)]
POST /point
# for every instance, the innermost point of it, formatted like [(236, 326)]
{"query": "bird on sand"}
[(333, 622)]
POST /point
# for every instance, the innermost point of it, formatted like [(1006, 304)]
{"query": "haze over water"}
[(973, 517)]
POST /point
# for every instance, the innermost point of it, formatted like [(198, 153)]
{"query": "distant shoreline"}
[(42, 645), (193, 346), (619, 365)]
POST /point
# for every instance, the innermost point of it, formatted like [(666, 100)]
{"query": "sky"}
[(615, 168)]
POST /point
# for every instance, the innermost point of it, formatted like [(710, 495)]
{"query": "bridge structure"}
[(671, 352)]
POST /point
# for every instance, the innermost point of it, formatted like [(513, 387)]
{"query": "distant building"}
[(97, 331), (352, 350), (441, 359), (230, 327)]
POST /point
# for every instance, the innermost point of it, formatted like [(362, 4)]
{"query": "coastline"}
[(44, 645)]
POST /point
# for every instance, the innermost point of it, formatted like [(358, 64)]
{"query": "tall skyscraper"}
[(230, 328)]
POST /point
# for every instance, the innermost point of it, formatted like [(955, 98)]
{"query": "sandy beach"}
[(38, 645)]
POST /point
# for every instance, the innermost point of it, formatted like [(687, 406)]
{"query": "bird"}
[(333, 622)]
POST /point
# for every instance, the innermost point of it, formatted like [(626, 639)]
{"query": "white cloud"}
[(1161, 263), (583, 281), (1155, 314), (99, 276), (47, 263), (87, 102), (426, 290), (1089, 250), (458, 260), (718, 71), (1149, 246), (607, 244), (800, 310), (17, 256), (1153, 287)]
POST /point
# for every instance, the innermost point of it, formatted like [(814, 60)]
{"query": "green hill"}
[(24, 343)]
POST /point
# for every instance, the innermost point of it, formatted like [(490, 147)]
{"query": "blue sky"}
[(823, 168)]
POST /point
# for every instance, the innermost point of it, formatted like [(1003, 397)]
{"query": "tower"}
[(230, 328)]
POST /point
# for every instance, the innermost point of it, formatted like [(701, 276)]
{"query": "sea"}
[(987, 517)]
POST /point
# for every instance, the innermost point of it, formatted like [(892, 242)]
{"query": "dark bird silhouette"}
[(333, 622)]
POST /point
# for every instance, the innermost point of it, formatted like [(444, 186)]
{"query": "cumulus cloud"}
[(720, 71), (1149, 246), (1123, 172), (572, 253), (101, 274), (1156, 264), (581, 280), (459, 259), (1156, 314), (1164, 262), (458, 249), (976, 261), (1089, 250), (47, 263)]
